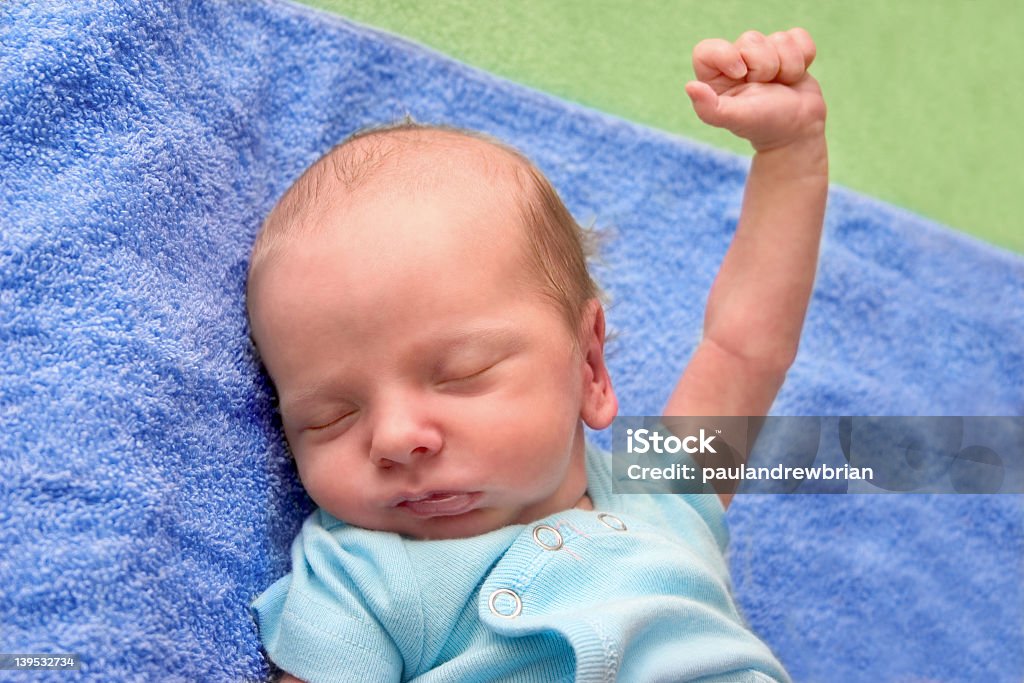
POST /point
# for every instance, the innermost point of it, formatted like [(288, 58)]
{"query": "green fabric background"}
[(926, 97)]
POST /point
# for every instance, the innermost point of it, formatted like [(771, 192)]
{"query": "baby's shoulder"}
[(693, 515)]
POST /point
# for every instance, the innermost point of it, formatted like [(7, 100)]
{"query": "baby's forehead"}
[(348, 190)]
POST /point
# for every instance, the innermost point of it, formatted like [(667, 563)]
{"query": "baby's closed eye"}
[(331, 420), (465, 377)]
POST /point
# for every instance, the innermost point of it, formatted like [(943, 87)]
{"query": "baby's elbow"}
[(760, 359)]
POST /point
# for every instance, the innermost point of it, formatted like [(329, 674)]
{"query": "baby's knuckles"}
[(792, 65), (794, 108), (761, 57)]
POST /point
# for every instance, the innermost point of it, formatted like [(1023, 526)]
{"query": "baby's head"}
[(421, 301)]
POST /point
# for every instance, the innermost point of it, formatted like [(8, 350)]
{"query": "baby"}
[(420, 299)]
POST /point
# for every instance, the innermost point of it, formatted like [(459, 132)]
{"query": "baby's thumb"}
[(705, 101)]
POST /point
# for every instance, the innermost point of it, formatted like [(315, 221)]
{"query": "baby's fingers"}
[(791, 57), (713, 110), (714, 57), (806, 43), (760, 56), (705, 101)]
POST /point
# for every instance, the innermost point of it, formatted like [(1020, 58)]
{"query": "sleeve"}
[(316, 624), (712, 512)]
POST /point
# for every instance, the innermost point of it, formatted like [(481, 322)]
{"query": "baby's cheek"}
[(328, 482), (315, 483)]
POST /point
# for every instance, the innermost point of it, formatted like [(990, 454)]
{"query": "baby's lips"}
[(440, 503)]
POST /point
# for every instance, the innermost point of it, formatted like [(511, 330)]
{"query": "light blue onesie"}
[(637, 590)]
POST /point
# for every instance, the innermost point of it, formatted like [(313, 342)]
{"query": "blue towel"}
[(145, 493)]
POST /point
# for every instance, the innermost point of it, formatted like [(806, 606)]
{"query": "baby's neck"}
[(584, 503)]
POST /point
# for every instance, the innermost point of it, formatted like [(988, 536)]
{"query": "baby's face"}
[(425, 385)]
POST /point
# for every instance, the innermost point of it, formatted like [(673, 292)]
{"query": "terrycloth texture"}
[(641, 596), (145, 494)]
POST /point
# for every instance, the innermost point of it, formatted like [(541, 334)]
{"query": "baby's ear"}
[(600, 406)]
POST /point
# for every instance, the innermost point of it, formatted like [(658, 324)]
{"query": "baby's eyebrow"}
[(308, 396), (504, 337)]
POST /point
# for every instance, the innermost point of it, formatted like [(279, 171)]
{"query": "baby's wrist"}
[(803, 156)]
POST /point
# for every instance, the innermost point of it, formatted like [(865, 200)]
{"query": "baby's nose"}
[(403, 440)]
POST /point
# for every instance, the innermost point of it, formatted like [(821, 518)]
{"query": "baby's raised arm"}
[(760, 89)]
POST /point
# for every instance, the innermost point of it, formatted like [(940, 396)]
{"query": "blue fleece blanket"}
[(145, 493)]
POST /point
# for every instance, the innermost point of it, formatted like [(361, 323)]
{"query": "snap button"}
[(505, 603), (611, 521), (547, 537)]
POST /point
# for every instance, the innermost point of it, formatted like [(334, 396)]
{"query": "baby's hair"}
[(557, 247)]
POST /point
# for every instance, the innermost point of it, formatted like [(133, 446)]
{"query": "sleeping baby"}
[(421, 301)]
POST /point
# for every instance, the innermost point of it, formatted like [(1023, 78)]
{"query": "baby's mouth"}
[(440, 503)]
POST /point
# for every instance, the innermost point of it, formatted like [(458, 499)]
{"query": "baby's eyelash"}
[(460, 381), (471, 375), (317, 428), (477, 373)]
